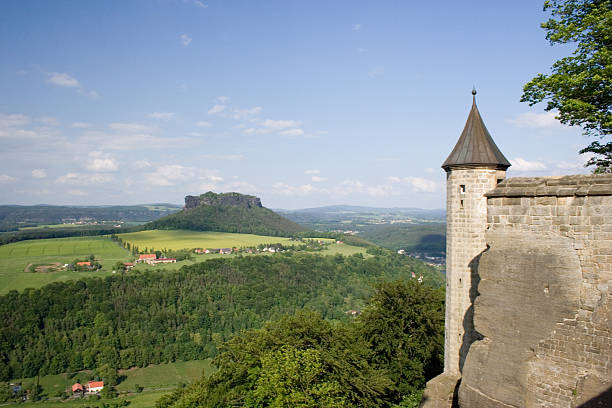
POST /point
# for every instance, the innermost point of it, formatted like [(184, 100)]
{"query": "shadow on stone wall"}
[(603, 400), (470, 334)]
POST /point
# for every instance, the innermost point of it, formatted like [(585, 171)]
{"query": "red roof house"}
[(77, 388), (84, 263), (95, 386), (147, 256)]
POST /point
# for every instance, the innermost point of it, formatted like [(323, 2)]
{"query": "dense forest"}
[(230, 218), (138, 319), (382, 359)]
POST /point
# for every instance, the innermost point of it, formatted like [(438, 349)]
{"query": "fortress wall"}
[(531, 221)]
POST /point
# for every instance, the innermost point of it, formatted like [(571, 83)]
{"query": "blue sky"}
[(302, 103)]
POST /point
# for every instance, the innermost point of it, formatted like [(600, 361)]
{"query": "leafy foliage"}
[(402, 326), (580, 86), (306, 361), (147, 318)]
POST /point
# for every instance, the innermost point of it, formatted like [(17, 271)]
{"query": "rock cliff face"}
[(225, 199)]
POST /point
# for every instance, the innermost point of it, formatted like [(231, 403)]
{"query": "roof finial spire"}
[(474, 95)]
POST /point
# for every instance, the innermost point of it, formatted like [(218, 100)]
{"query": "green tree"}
[(580, 86), (404, 328), (296, 378)]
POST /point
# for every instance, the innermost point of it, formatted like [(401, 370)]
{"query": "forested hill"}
[(153, 317), (17, 216), (229, 212)]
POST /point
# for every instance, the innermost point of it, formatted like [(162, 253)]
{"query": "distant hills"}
[(18, 216), (228, 212), (417, 231), (354, 209)]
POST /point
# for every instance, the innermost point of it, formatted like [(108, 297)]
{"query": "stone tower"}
[(473, 168)]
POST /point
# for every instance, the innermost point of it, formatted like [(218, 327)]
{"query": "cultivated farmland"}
[(181, 239), (25, 264)]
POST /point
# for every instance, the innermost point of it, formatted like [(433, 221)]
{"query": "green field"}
[(15, 257), (182, 239), (157, 380), (19, 260)]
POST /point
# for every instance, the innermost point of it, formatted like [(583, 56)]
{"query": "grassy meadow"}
[(16, 257)]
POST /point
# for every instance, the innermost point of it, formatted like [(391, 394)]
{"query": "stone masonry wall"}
[(466, 210), (571, 363)]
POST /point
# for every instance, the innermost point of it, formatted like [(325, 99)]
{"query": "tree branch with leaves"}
[(580, 86)]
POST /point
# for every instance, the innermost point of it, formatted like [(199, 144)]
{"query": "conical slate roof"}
[(475, 146)]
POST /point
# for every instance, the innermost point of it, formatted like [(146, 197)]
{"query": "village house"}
[(94, 387), (77, 389), (145, 258), (83, 263)]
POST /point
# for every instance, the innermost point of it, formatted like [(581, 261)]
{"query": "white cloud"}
[(242, 114), (417, 184), (256, 131), (535, 120), (520, 164), (223, 99), (161, 115), (84, 179), (314, 171), (199, 4), (142, 164), (362, 50), (185, 39), (65, 80), (194, 134), (203, 123), (62, 79), (422, 185), (98, 163), (292, 132), (4, 178), (318, 179), (242, 187), (356, 27), (286, 189), (79, 193), (229, 157), (128, 140), (80, 125), (354, 186), (39, 173), (13, 120), (91, 94), (216, 109), (131, 127), (49, 120), (280, 124), (169, 175)]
